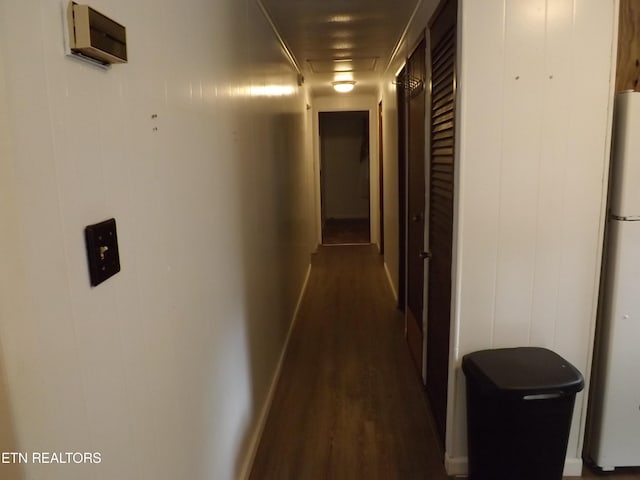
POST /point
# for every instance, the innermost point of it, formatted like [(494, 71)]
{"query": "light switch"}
[(102, 250)]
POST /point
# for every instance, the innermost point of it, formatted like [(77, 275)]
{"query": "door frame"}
[(348, 103)]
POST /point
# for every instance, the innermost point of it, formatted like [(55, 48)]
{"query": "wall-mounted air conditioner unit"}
[(92, 35)]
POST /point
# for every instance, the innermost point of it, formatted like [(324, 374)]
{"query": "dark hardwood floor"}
[(337, 231), (618, 474), (349, 403)]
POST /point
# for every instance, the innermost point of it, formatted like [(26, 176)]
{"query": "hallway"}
[(349, 403), (204, 149)]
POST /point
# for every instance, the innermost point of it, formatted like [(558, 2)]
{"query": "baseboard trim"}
[(456, 465), (459, 466), (393, 290), (245, 471), (573, 467)]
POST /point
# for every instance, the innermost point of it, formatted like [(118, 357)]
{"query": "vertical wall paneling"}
[(534, 104), (588, 134), (480, 180), (12, 277), (199, 148), (556, 78), (523, 69)]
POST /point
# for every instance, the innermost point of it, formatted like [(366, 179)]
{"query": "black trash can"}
[(519, 409)]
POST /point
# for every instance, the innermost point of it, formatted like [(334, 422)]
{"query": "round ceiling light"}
[(343, 86)]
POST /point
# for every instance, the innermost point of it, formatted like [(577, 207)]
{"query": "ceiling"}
[(341, 39)]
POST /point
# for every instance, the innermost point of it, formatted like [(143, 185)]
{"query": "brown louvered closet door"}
[(415, 88), (441, 181)]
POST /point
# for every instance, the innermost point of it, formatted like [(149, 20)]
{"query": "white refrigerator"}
[(614, 439)]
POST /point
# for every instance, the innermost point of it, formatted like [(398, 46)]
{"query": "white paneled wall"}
[(534, 117), (534, 100), (390, 181), (164, 368)]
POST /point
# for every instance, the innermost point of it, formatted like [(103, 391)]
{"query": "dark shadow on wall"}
[(13, 470), (276, 255)]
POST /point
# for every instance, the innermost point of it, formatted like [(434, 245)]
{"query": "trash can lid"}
[(522, 370)]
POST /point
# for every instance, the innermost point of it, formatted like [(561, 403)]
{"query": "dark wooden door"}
[(381, 178), (415, 83), (401, 99), (442, 31)]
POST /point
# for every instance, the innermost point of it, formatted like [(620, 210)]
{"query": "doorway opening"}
[(344, 177)]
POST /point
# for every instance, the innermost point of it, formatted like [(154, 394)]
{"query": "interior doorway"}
[(344, 177)]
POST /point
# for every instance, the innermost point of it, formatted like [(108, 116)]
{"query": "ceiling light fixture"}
[(343, 86)]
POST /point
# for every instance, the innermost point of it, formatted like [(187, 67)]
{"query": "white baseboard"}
[(252, 449), (459, 466), (393, 290), (456, 465), (573, 467)]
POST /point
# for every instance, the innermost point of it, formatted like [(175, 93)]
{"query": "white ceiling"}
[(341, 39)]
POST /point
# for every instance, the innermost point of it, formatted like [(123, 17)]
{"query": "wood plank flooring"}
[(618, 474), (349, 404), (338, 231)]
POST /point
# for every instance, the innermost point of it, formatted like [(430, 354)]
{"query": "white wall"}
[(350, 102), (12, 253), (390, 181), (534, 99), (165, 367)]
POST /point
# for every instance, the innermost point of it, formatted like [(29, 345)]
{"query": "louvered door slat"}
[(445, 134), (445, 63), (443, 127), (442, 118), (446, 108), (444, 47), (443, 142), (441, 85)]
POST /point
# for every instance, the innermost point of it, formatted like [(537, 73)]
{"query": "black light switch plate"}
[(102, 250)]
